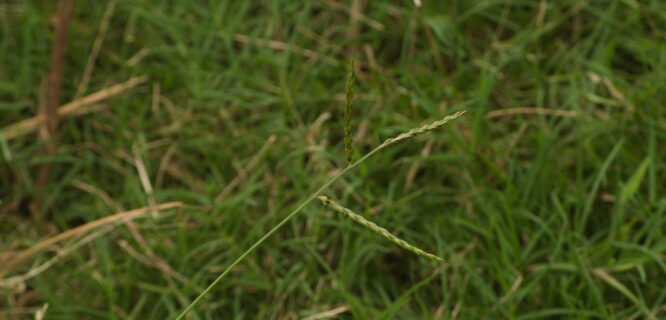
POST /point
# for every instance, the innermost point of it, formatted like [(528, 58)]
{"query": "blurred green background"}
[(546, 199)]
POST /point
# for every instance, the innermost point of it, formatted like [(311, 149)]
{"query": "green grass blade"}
[(595, 186), (634, 182)]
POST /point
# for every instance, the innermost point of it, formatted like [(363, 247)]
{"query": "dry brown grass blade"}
[(542, 111), (143, 177), (328, 314), (152, 260), (17, 283), (71, 109), (121, 217), (94, 52), (414, 169), (54, 88), (283, 46), (245, 170), (63, 17)]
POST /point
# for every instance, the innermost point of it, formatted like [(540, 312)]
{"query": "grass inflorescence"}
[(409, 134), (329, 203), (349, 98), (421, 130)]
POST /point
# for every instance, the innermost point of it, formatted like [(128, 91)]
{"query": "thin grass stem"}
[(388, 142)]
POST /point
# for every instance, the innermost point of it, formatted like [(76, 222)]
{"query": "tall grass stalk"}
[(409, 134)]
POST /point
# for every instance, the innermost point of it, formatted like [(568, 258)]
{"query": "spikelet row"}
[(328, 202), (421, 130)]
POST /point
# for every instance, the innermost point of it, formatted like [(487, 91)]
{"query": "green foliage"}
[(545, 201)]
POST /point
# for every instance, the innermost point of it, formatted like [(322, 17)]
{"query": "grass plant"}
[(403, 136), (546, 202)]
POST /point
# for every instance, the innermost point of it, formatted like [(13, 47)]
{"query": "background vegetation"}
[(546, 200)]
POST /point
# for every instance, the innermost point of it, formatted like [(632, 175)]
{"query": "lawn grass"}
[(548, 215)]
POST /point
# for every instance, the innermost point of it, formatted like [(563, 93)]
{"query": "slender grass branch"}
[(409, 134)]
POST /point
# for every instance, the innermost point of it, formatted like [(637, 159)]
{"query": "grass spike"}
[(347, 114), (329, 203), (421, 130)]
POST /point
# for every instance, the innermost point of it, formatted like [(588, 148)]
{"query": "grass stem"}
[(388, 142)]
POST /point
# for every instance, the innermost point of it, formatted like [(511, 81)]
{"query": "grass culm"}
[(401, 137)]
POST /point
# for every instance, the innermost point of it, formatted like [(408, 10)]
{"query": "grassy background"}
[(538, 216)]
